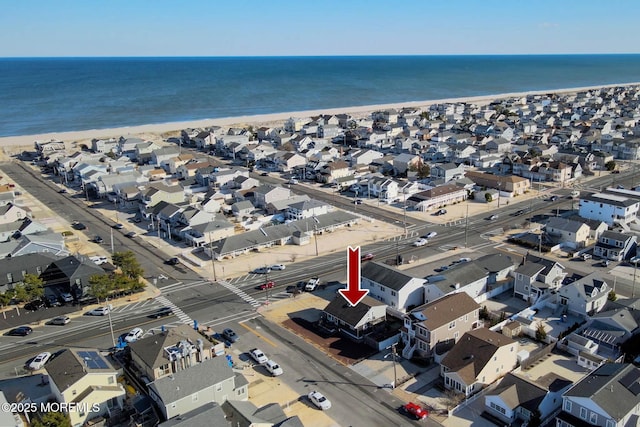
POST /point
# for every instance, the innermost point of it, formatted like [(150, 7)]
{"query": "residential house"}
[(242, 209), (211, 231), (585, 296), (190, 169), (127, 147), (225, 177), (177, 161), (569, 233), (596, 227), (383, 189), (609, 208), (615, 246), (266, 194), (246, 414), (607, 397), (15, 268), (86, 378), (70, 274), (290, 161), (537, 277), (354, 321), (404, 161), (333, 170), (437, 197), (515, 185), (606, 332), (40, 242), (154, 356), (307, 209), (447, 171), (478, 359), (517, 398), (104, 145), (363, 157), (393, 287), (444, 320), (165, 158), (157, 192), (143, 151), (211, 380)]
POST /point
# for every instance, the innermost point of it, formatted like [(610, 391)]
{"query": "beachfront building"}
[(437, 197), (513, 185), (609, 208)]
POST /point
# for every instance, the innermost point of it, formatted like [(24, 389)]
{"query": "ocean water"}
[(63, 94)]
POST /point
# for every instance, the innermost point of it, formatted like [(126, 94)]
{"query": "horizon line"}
[(321, 56)]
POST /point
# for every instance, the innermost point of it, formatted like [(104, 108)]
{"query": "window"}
[(110, 380), (393, 293), (583, 413), (382, 288), (611, 423), (498, 408), (456, 335), (452, 325), (164, 369), (593, 418)]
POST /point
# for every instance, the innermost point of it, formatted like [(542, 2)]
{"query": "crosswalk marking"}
[(184, 317), (242, 294), (133, 306)]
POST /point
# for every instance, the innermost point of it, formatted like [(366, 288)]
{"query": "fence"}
[(536, 355)]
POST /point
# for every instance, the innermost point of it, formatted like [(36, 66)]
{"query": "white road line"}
[(176, 310)]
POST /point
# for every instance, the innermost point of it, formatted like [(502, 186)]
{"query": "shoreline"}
[(161, 128)]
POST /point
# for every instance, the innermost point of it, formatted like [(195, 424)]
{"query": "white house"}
[(392, 286), (609, 208), (585, 296)]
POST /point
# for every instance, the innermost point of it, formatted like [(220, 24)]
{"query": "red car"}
[(415, 410), (366, 257), (267, 285)]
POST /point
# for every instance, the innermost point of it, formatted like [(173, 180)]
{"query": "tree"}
[(422, 169), (20, 293), (488, 197), (541, 332), (128, 263), (610, 165), (100, 286), (34, 286), (51, 419), (612, 296)]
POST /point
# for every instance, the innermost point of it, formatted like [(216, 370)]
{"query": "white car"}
[(464, 260), (278, 267), (100, 311), (258, 356), (99, 259), (319, 400), (420, 242), (39, 361), (134, 335), (273, 368), (431, 235)]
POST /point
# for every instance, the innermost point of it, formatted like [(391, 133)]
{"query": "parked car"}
[(20, 331), (34, 305), (312, 284), (464, 260), (431, 235), (268, 285), (98, 240), (278, 267), (63, 191), (51, 301), (172, 261), (230, 335), (66, 297), (59, 321), (366, 257), (493, 217), (615, 171), (118, 226), (264, 174), (273, 368), (420, 242), (519, 212), (415, 410), (161, 312), (620, 187), (134, 335), (262, 270), (100, 311), (39, 361), (553, 198), (79, 226), (441, 212), (130, 234), (441, 269), (357, 202), (257, 355), (319, 400), (98, 260)]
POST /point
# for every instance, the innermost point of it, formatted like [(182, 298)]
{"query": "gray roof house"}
[(572, 234), (585, 296), (14, 268), (211, 380), (266, 194), (536, 277), (608, 396), (246, 414), (615, 246), (209, 415), (391, 286), (354, 321)]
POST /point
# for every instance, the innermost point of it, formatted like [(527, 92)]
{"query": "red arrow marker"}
[(354, 293)]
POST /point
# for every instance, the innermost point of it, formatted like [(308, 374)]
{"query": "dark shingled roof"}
[(472, 353), (516, 391), (385, 275), (68, 368), (348, 314), (615, 387), (150, 349)]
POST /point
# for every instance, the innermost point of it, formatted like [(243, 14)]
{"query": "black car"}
[(51, 301), (98, 239), (63, 191), (79, 226), (553, 198), (172, 261), (20, 331), (230, 335), (162, 312), (34, 305), (518, 213)]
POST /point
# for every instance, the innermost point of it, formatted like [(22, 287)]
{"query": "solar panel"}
[(93, 360)]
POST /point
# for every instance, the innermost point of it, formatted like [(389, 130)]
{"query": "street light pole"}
[(393, 355), (633, 288), (113, 337), (466, 226)]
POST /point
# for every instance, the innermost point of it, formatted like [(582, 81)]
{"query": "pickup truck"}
[(312, 284)]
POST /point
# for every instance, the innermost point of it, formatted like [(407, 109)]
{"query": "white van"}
[(273, 368)]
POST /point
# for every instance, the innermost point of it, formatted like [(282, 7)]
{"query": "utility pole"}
[(466, 226), (213, 258), (315, 237), (112, 251), (540, 243), (633, 288)]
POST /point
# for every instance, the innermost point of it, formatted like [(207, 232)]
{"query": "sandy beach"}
[(156, 131)]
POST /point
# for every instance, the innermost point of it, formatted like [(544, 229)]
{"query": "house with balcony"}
[(266, 194), (86, 378), (391, 286), (478, 359), (608, 396), (447, 171), (609, 208), (190, 169), (584, 297), (615, 246), (437, 197), (226, 177), (157, 192), (444, 320), (357, 321), (536, 277), (383, 189), (333, 170), (517, 398), (307, 209)]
